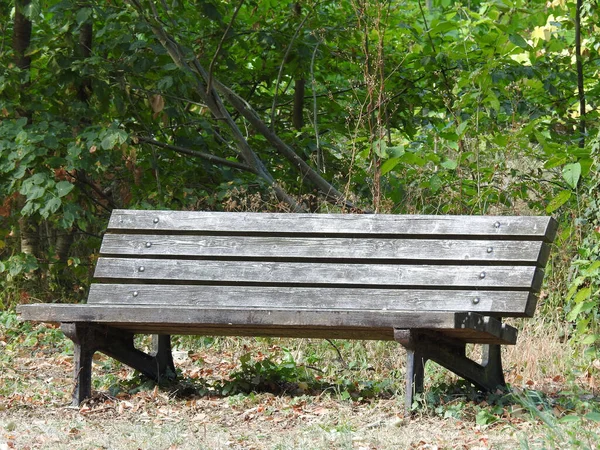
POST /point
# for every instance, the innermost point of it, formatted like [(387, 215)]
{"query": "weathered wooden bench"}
[(432, 283)]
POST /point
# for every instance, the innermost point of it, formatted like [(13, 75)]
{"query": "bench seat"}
[(232, 321)]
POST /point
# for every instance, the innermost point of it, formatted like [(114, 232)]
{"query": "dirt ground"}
[(35, 414), (155, 422)]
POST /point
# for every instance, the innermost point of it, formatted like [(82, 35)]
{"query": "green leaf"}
[(571, 418), (518, 41), (379, 147), (83, 14), (435, 183), (109, 142), (590, 339), (583, 294), (484, 417), (389, 165), (32, 192), (63, 188), (562, 198), (493, 101), (579, 308), (460, 130), (411, 158), (50, 141), (449, 164), (396, 150), (555, 161), (593, 416), (50, 207), (571, 173)]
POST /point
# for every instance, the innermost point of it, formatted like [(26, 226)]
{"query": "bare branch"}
[(207, 156), (241, 106)]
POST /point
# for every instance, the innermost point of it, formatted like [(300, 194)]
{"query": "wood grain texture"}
[(221, 318), (334, 248), (479, 277), (526, 227), (498, 303)]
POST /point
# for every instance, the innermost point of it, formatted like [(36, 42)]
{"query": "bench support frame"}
[(422, 345), (118, 344)]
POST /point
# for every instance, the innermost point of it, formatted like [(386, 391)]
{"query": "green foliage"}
[(268, 375), (25, 334), (583, 296)]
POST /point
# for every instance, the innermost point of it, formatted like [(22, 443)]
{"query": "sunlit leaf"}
[(389, 165), (560, 199), (571, 173)]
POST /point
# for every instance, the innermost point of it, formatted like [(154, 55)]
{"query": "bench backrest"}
[(489, 265)]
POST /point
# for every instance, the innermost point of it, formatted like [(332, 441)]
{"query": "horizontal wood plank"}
[(498, 303), (221, 272), (293, 248), (525, 227), (221, 318)]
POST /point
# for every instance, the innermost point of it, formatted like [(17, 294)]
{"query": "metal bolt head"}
[(148, 244), (497, 225), (482, 275), (141, 268), (135, 293), (490, 249), (155, 220), (476, 300)]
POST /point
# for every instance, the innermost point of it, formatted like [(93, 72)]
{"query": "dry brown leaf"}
[(157, 103)]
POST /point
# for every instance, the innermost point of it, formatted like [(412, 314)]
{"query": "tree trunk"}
[(28, 228), (297, 116), (84, 50), (21, 35)]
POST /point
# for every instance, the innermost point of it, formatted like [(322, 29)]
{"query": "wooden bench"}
[(432, 283)]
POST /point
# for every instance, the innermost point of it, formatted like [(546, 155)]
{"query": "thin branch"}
[(82, 179), (337, 350), (207, 156), (580, 81), (330, 192), (320, 160), (220, 46)]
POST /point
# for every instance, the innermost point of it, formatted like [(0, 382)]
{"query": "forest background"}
[(402, 107)]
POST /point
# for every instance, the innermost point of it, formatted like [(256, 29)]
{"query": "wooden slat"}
[(323, 248), (221, 318), (499, 303), (533, 228), (480, 277)]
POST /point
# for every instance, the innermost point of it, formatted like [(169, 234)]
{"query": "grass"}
[(329, 395)]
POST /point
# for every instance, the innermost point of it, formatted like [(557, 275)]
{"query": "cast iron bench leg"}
[(118, 344), (161, 351), (84, 349), (415, 375), (426, 345)]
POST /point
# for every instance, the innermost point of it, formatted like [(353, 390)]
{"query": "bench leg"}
[(161, 351), (451, 354), (84, 349), (117, 344), (415, 375)]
